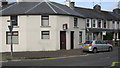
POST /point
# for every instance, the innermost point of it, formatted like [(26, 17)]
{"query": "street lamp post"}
[(11, 28)]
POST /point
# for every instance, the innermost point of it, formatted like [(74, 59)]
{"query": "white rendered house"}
[(41, 26)]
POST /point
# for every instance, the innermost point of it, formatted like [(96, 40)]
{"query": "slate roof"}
[(52, 8), (92, 13), (39, 8)]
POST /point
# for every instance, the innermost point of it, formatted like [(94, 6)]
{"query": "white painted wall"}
[(0, 40), (22, 38), (29, 27), (1, 34)]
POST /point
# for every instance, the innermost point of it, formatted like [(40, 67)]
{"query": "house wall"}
[(29, 27), (16, 47), (0, 33)]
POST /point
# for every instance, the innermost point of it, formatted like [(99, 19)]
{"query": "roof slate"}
[(53, 8), (92, 13), (39, 8)]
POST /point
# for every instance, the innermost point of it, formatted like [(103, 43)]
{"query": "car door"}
[(106, 46), (98, 45), (103, 46)]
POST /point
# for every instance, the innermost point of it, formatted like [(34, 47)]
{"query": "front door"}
[(62, 39), (72, 39)]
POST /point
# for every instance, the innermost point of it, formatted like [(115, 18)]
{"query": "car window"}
[(96, 42), (88, 42), (102, 42), (99, 42)]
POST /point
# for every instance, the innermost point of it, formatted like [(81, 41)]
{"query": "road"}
[(100, 59)]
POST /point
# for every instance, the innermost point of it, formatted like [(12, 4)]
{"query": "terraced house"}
[(101, 25), (50, 26)]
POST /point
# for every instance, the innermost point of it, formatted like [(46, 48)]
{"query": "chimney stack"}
[(117, 10), (97, 7), (3, 3), (69, 3)]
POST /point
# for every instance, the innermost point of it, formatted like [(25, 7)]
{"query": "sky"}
[(107, 5)]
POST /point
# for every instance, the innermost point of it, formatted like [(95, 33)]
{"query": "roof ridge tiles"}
[(51, 7), (59, 8), (33, 7)]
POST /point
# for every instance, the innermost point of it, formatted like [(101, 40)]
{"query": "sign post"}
[(11, 28)]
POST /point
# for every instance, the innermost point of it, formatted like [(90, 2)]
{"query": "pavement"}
[(42, 54), (105, 59)]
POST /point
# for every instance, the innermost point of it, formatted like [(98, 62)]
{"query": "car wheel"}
[(95, 50), (110, 49)]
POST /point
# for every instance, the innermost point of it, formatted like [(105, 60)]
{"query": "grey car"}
[(96, 46)]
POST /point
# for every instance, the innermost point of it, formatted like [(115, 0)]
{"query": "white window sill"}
[(46, 26), (76, 27)]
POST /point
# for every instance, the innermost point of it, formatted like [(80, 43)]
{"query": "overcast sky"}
[(107, 5)]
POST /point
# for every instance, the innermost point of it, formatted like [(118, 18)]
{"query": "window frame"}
[(113, 24), (88, 23), (105, 24), (12, 37), (14, 19), (42, 35), (99, 23), (75, 22), (44, 17), (93, 23)]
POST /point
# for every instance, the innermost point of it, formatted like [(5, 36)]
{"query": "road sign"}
[(10, 28)]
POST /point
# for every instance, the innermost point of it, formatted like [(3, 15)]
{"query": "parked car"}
[(96, 46)]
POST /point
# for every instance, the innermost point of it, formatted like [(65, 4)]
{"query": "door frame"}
[(72, 40), (61, 46)]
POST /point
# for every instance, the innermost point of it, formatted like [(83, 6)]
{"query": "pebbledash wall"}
[(29, 33)]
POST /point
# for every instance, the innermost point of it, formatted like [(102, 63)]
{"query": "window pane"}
[(87, 24), (99, 23), (45, 21), (75, 22), (45, 35), (93, 23), (105, 24), (14, 37), (113, 24), (87, 20), (14, 20), (9, 40)]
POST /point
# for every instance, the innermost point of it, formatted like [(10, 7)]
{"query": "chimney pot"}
[(117, 10), (70, 4), (97, 7)]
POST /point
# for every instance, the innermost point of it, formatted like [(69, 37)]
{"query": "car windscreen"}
[(88, 42)]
